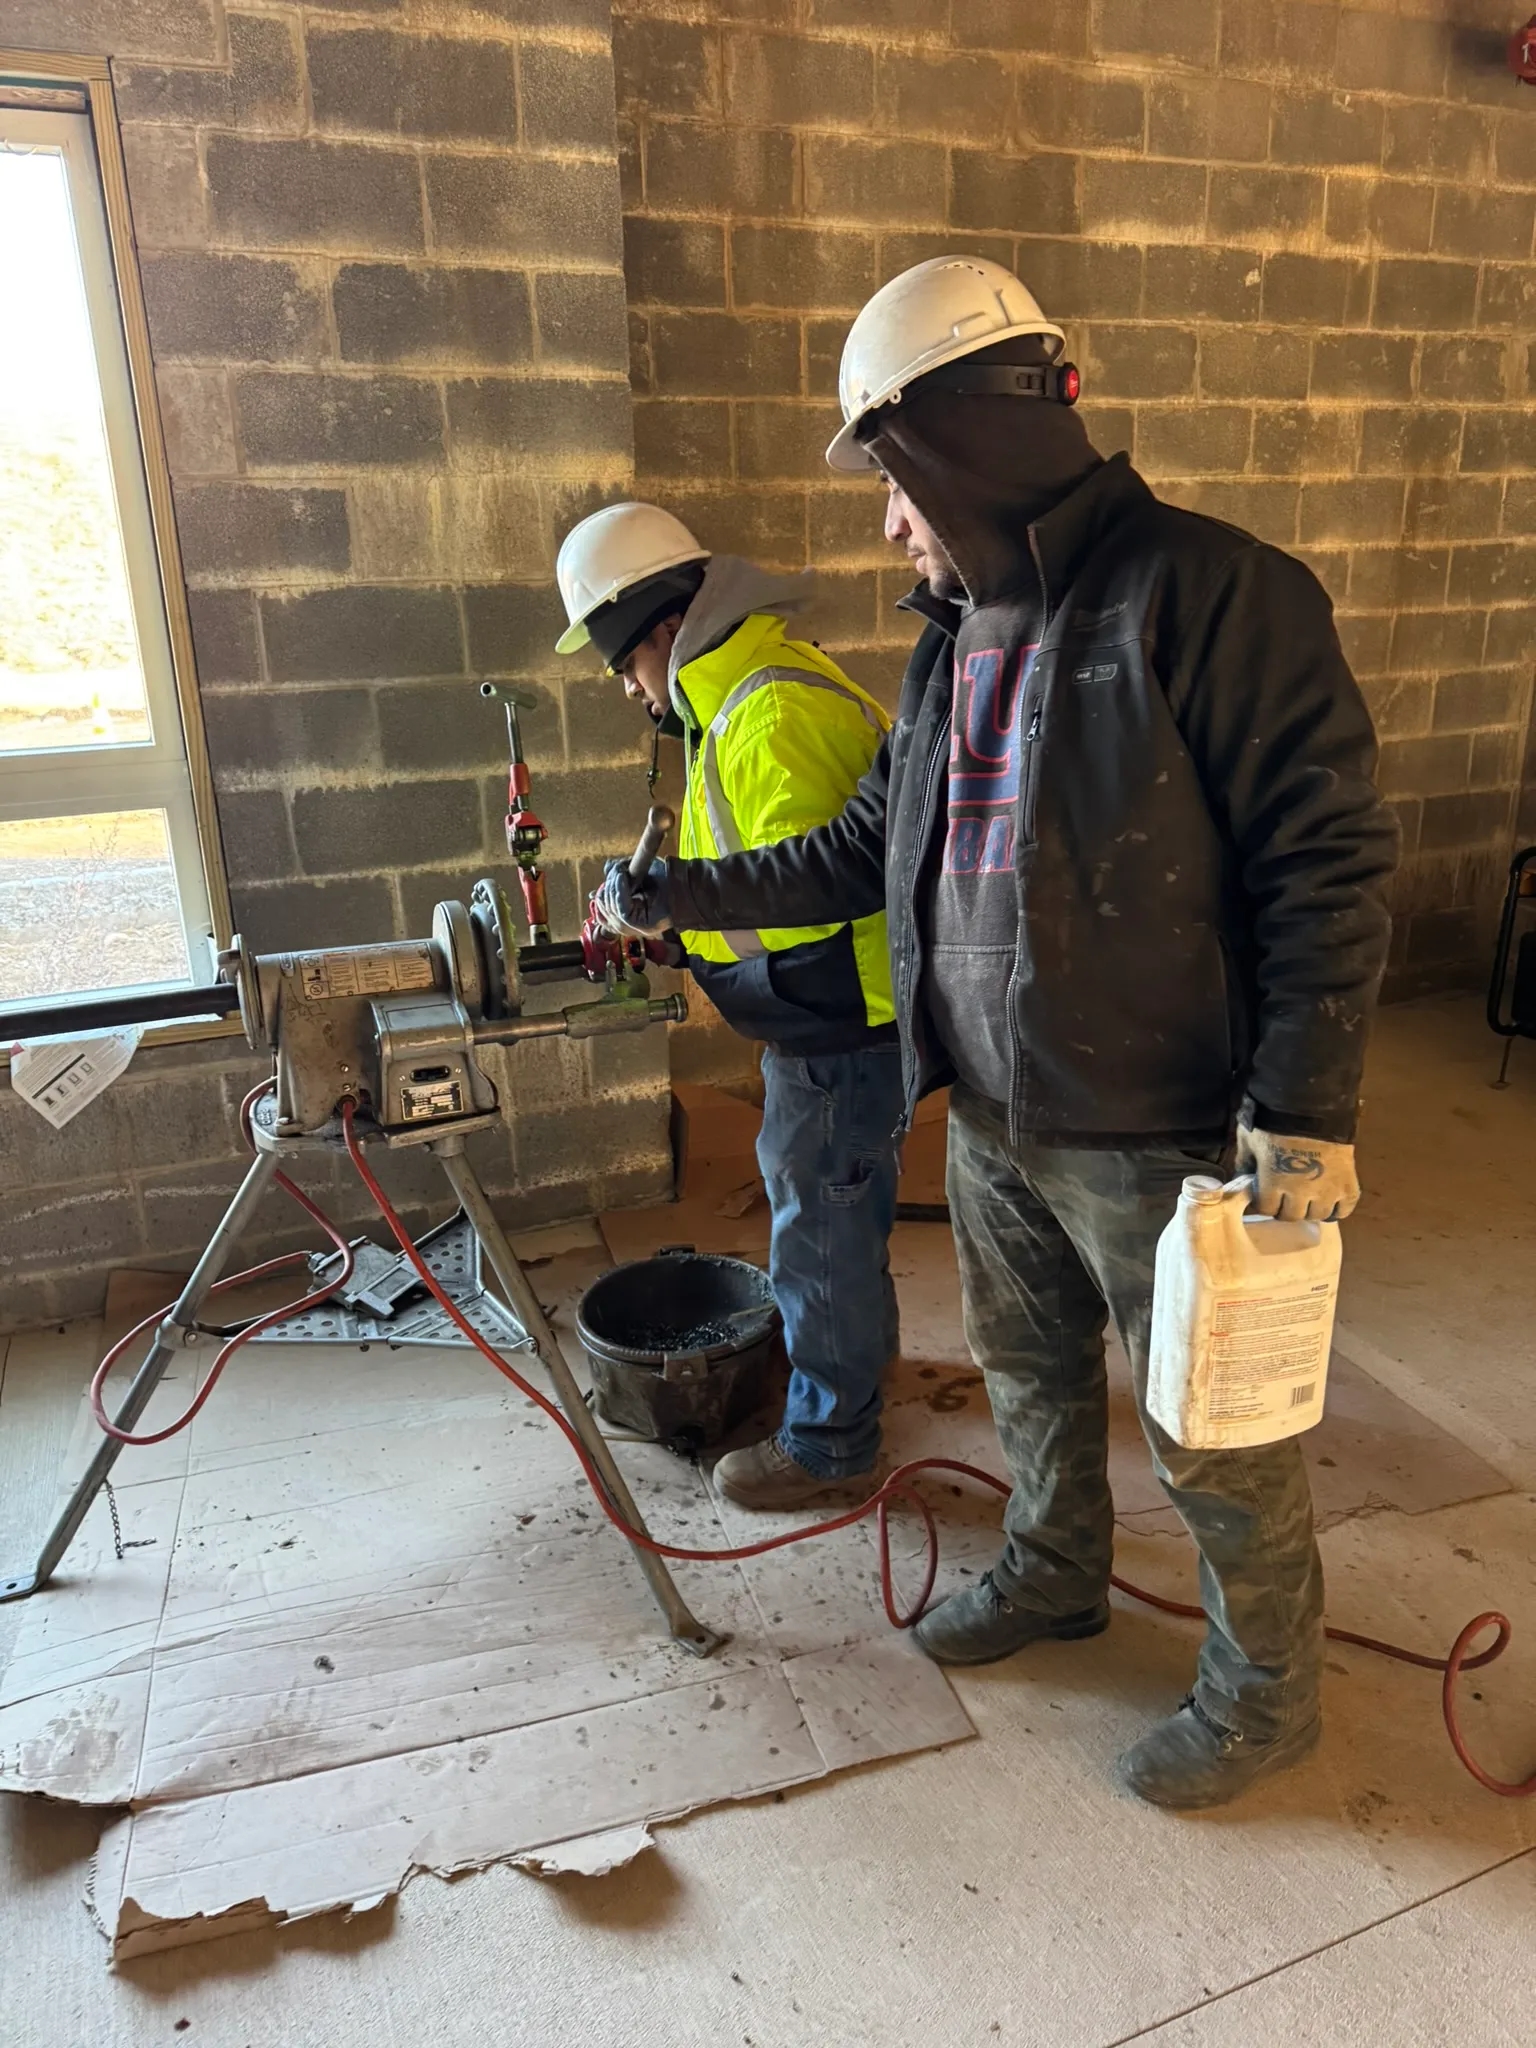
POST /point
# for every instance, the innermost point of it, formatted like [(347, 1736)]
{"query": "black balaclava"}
[(617, 628), (981, 468)]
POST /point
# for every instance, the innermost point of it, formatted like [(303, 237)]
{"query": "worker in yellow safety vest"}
[(777, 740)]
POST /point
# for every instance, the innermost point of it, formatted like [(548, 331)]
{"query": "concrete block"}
[(1499, 441), (224, 635), (766, 524), (290, 916), (1366, 642), (739, 171), (94, 1144), (1362, 366), (631, 163), (1519, 512), (1184, 31), (945, 95), (1398, 579), (567, 423), (682, 437), (445, 528), (271, 734), (1397, 215), (174, 31), (1050, 27), (674, 262), (1315, 291), (1437, 640), (1470, 222), (1163, 202), (1194, 440), (1140, 362), (1480, 697), (567, 97), (1496, 764), (1188, 283), (196, 420), (1413, 439), (806, 267), (594, 811), (394, 824), (165, 187), (1358, 508), (601, 725), (1435, 765), (1459, 368), (306, 194), (582, 323), (1411, 59), (777, 440), (299, 420), (444, 725), (1400, 709), (1253, 362), (794, 81), (1266, 508), (229, 528), (1111, 428), (1419, 292), (1514, 148), (1083, 280), (850, 178), (1280, 38), (1221, 119), (1022, 194), (159, 92), (1063, 109), (1511, 635), (845, 527), (667, 67), (49, 1228), (1322, 128), (429, 87), (1508, 296), (258, 844), (1426, 139), (233, 308), (513, 627), (1451, 507), (1470, 818), (392, 313), (362, 632), (844, 610), (585, 1140), (1492, 572), (266, 85), (707, 354), (1265, 206), (524, 207)]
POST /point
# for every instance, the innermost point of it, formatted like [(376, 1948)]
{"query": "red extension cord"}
[(897, 1487)]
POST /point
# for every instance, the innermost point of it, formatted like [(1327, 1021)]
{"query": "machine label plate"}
[(421, 1100), (359, 972)]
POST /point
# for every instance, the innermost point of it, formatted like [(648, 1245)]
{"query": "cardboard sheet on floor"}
[(1371, 1451), (367, 1621)]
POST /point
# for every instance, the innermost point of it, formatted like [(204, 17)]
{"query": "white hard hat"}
[(930, 315), (610, 552)]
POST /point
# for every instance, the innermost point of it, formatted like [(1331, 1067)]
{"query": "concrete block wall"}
[(381, 253), (1291, 242)]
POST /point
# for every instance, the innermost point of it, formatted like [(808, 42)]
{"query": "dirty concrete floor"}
[(1000, 1891)]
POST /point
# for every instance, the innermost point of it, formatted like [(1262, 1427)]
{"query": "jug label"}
[(1268, 1352)]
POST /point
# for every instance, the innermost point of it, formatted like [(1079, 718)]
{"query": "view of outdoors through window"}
[(88, 896)]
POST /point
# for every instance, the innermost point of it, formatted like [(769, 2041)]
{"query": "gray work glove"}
[(1300, 1180), (633, 909)]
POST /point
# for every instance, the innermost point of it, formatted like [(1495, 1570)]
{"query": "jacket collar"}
[(701, 686)]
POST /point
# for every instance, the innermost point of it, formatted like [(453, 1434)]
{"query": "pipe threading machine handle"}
[(657, 826)]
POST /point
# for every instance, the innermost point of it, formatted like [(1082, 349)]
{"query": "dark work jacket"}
[(1202, 858)]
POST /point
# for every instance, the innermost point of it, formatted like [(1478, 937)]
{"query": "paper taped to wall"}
[(59, 1076)]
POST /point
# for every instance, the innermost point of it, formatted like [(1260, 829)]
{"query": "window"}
[(103, 884)]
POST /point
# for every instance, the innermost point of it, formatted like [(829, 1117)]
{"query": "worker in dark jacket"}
[(1135, 870)]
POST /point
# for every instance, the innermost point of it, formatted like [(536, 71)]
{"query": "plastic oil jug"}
[(1242, 1320)]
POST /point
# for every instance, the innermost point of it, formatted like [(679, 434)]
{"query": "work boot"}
[(766, 1476), (1190, 1761), (979, 1624)]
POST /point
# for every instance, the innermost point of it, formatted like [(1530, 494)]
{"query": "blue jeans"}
[(828, 1157)]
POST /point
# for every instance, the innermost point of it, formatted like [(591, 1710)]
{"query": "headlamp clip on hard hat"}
[(1058, 381)]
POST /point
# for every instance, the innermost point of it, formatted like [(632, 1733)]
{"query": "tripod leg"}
[(686, 1631), (167, 1345), (1503, 1080)]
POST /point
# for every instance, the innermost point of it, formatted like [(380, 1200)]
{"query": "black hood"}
[(980, 469)]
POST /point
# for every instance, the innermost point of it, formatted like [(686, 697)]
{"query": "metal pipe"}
[(107, 1013), (688, 1632)]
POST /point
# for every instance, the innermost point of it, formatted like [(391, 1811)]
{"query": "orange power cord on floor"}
[(898, 1487)]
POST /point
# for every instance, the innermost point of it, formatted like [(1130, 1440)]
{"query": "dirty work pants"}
[(828, 1158), (1052, 1242)]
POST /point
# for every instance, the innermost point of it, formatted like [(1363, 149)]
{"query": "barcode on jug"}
[(1300, 1396)]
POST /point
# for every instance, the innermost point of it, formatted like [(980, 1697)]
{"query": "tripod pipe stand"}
[(179, 1330)]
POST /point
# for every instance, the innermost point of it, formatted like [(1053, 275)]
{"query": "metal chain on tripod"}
[(117, 1527)]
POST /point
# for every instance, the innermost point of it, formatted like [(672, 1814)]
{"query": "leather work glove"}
[(633, 909), (1300, 1180)]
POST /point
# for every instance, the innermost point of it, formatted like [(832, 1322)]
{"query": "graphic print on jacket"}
[(975, 909)]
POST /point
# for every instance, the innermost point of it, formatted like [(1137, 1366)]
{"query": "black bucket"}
[(680, 1345)]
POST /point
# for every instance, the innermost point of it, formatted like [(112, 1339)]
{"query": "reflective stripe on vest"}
[(722, 819)]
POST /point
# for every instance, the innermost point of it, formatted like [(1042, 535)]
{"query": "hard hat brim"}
[(845, 451), (574, 636)]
